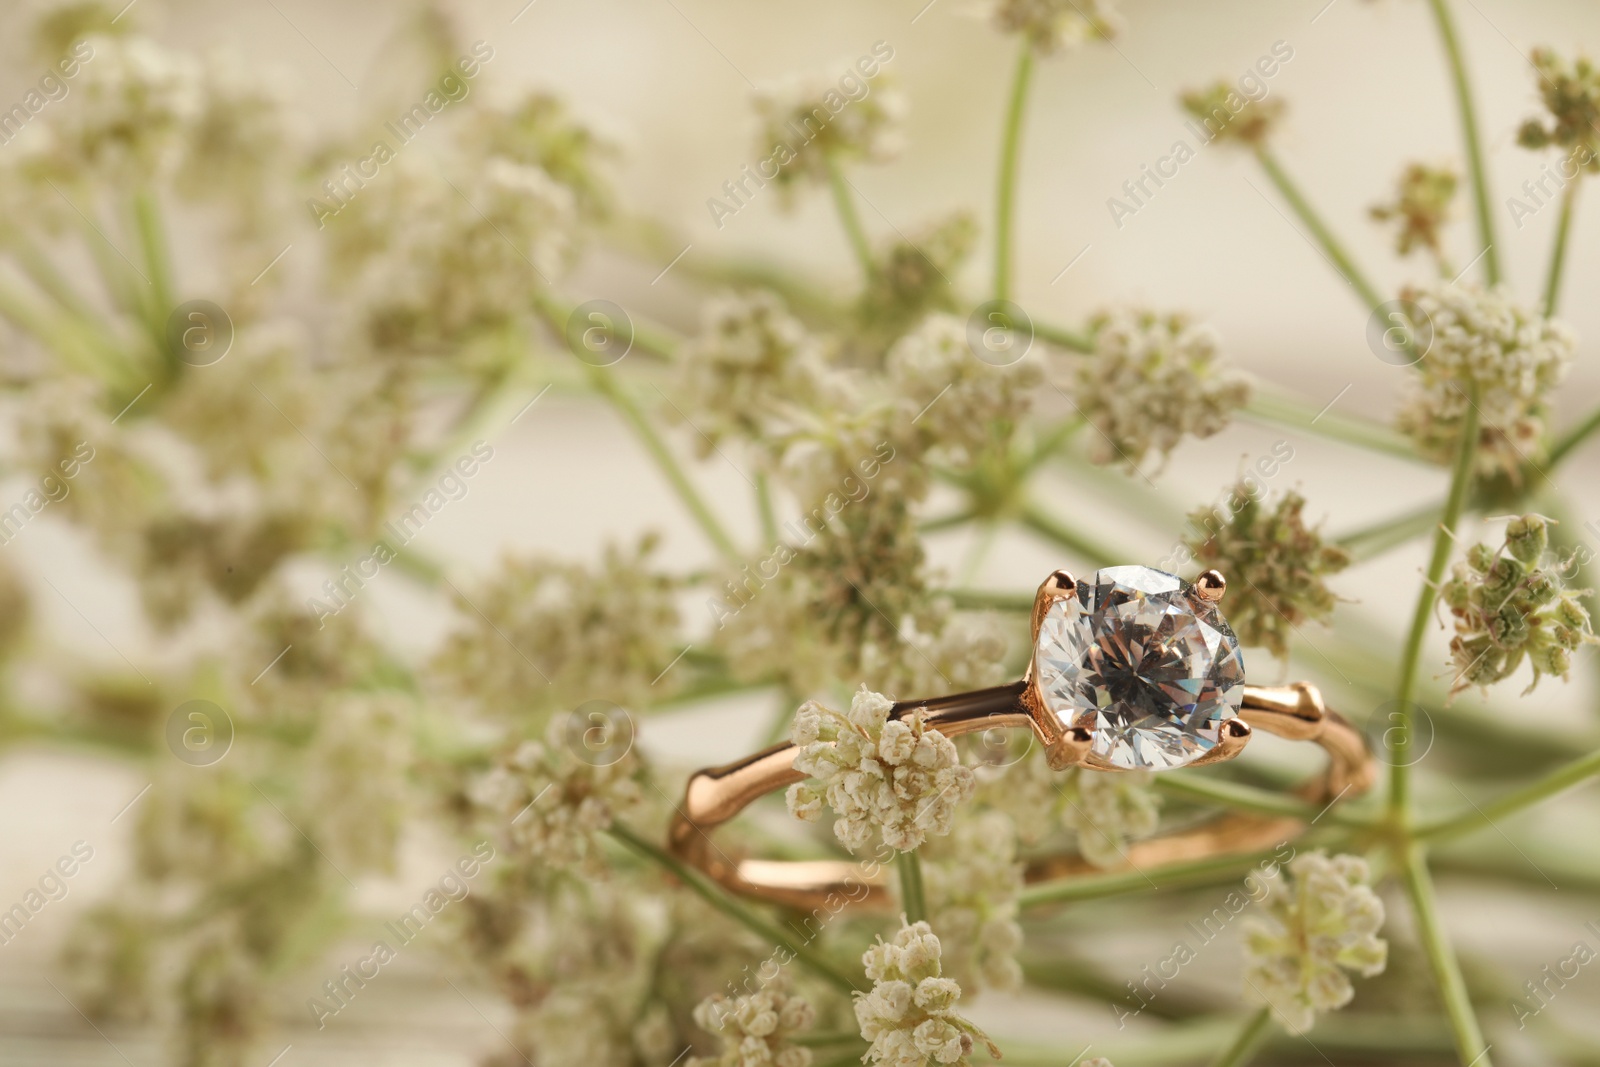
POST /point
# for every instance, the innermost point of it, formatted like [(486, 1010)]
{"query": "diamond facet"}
[(1142, 660)]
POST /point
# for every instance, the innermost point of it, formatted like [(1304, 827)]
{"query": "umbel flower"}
[(810, 124), (1571, 94), (1229, 116), (897, 778), (1508, 606), (909, 1014), (756, 1029), (1107, 810), (912, 276), (1482, 341), (1321, 920), (1152, 379), (1423, 203), (1275, 565), (972, 879), (553, 802), (1055, 25)]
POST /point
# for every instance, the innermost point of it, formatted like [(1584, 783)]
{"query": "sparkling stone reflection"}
[(1139, 658)]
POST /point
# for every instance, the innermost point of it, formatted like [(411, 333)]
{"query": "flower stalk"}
[(1482, 203), (1006, 181)]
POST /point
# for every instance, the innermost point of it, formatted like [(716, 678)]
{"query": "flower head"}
[(1320, 921), (1106, 810), (913, 277), (880, 776), (972, 879), (1509, 606), (552, 802), (1489, 351), (1571, 94), (1423, 204), (1052, 26), (809, 125), (1230, 116), (1274, 564), (756, 1029), (1152, 379), (909, 1014)]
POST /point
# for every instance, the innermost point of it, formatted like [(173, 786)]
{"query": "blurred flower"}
[(356, 779), (1055, 25), (972, 879), (1321, 920), (1423, 204), (909, 1014), (553, 804), (1152, 379), (880, 776), (1510, 355), (540, 634), (1107, 810), (810, 124), (539, 130), (1571, 94), (962, 404), (1274, 564), (912, 277), (755, 1029), (1232, 117), (1508, 606)]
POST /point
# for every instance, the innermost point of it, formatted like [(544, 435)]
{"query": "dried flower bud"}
[(1228, 115), (891, 777), (909, 1014), (1510, 354), (1320, 921), (913, 277), (1274, 564), (1152, 379), (1055, 25), (1571, 94), (809, 124), (1509, 607), (1423, 204)]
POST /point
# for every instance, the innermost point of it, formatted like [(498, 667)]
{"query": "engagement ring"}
[(1133, 669)]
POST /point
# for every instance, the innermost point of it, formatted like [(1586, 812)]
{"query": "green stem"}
[(1558, 254), (1469, 133), (1269, 405), (1247, 798), (1213, 870), (1558, 781), (1411, 656), (159, 301), (607, 385), (1064, 338), (1319, 230), (1374, 540), (1441, 958), (1573, 438), (912, 898), (986, 600), (849, 218), (1041, 522), (732, 908), (764, 511), (1254, 1034), (1005, 193)]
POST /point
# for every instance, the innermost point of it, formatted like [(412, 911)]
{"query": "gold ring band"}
[(1296, 712)]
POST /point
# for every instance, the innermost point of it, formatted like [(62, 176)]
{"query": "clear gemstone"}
[(1139, 658)]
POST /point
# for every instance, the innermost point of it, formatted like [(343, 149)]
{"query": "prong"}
[(1233, 736), (1210, 586), (1058, 585), (1072, 750)]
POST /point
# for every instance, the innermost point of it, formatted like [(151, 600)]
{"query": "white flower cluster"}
[(895, 777), (1321, 920), (553, 804), (755, 1029), (972, 880), (753, 370), (959, 402), (1106, 809), (1055, 25), (1512, 356), (909, 1014), (1152, 379), (807, 121)]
